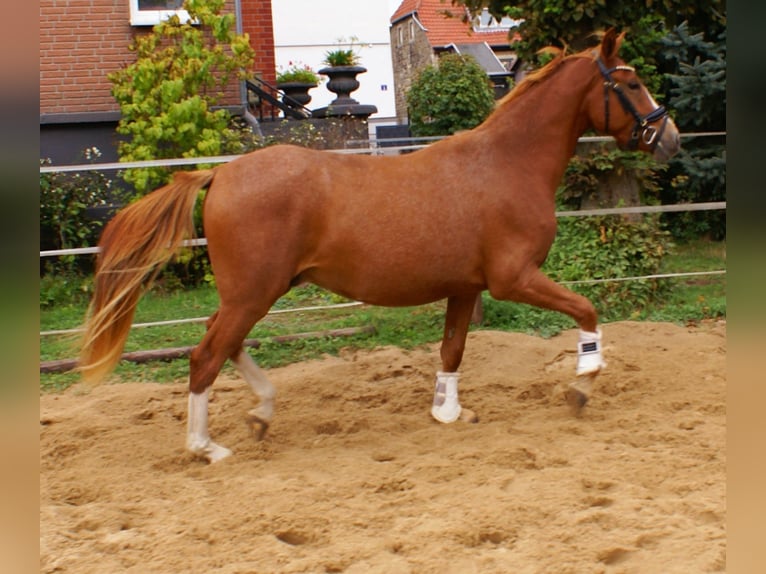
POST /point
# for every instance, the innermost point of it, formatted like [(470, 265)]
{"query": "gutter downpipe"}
[(238, 28), (249, 118)]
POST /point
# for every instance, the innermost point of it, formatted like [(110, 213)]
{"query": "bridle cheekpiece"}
[(642, 130)]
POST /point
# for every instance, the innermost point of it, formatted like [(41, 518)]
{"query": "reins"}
[(648, 133)]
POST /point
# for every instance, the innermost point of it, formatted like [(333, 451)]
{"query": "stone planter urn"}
[(342, 81), (296, 94)]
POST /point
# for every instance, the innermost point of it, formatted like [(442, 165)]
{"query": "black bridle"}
[(642, 130)]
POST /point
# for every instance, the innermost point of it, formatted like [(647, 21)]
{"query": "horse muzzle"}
[(664, 140)]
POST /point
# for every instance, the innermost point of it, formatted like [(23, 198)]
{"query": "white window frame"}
[(152, 17)]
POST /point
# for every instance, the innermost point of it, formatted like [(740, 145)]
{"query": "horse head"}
[(621, 106)]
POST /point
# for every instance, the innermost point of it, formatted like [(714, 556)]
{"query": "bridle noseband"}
[(643, 130)]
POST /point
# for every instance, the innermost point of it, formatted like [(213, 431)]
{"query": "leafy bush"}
[(454, 95), (586, 178), (64, 288), (613, 246), (167, 96), (609, 247), (65, 199), (168, 100)]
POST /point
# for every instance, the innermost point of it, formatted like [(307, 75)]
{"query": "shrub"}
[(64, 201), (609, 247), (612, 246), (65, 288), (595, 248), (167, 96), (589, 177), (168, 100), (454, 95)]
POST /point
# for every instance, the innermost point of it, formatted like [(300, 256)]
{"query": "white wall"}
[(305, 29)]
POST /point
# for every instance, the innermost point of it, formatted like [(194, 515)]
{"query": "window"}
[(151, 12)]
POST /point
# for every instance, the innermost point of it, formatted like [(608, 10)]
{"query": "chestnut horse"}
[(473, 212)]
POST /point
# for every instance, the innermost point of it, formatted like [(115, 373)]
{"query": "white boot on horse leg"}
[(197, 437), (446, 407), (260, 417), (589, 364), (589, 358)]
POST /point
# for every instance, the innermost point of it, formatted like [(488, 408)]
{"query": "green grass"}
[(686, 300), (691, 299)]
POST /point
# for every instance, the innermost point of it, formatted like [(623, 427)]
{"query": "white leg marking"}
[(446, 408), (256, 378), (197, 437)]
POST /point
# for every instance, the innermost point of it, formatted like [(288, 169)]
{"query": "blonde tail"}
[(135, 245)]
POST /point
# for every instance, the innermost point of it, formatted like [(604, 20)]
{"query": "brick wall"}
[(81, 41), (257, 22)]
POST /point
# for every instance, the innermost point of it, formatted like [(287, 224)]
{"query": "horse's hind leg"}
[(227, 329), (260, 417), (446, 407)]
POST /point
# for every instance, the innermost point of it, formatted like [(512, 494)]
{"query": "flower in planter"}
[(343, 56), (298, 72)]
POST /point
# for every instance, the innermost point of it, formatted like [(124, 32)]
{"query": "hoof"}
[(468, 416), (258, 426), (576, 400), (218, 453), (210, 451), (461, 414), (578, 392)]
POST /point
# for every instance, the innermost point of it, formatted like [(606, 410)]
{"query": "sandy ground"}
[(355, 476)]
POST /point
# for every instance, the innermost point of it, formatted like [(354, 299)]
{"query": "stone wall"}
[(410, 52), (324, 133)]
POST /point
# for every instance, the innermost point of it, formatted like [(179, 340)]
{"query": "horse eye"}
[(634, 85)]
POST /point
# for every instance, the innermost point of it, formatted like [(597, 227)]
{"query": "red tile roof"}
[(443, 23)]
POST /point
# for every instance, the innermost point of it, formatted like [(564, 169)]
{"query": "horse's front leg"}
[(446, 407), (260, 417), (535, 288)]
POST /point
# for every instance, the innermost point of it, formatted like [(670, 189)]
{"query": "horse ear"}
[(610, 44)]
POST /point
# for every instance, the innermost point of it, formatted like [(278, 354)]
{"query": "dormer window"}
[(485, 22)]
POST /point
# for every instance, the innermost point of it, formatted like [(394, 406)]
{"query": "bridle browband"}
[(643, 130)]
